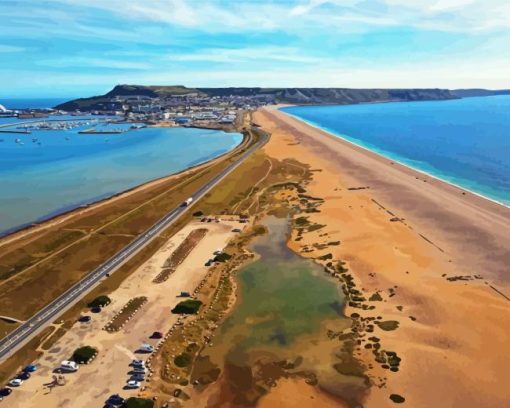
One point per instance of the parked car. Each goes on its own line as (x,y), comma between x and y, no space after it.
(138,377)
(24,375)
(5,392)
(146,348)
(115,399)
(137,363)
(15,382)
(236,230)
(85,319)
(70,366)
(95,309)
(157,335)
(132,384)
(30,368)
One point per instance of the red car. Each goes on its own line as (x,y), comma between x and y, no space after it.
(157,335)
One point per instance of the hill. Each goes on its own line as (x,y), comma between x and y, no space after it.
(272,95)
(338,96)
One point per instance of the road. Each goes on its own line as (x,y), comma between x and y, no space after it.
(25,332)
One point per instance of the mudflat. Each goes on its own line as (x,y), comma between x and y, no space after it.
(429,256)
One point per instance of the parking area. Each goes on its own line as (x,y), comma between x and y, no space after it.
(108,373)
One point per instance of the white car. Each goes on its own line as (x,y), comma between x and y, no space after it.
(70,366)
(15,382)
(147,348)
(133,384)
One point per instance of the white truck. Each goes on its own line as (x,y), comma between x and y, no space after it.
(187,202)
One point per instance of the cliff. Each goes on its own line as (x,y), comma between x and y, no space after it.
(467,93)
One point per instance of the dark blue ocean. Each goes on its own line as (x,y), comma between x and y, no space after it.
(50,171)
(465,141)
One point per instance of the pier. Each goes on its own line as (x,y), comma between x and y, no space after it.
(23,132)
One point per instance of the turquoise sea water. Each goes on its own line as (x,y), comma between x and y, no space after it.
(465,141)
(50,171)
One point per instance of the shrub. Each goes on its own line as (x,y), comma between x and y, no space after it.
(198,213)
(135,402)
(301,221)
(189,306)
(182,360)
(100,301)
(83,354)
(222,257)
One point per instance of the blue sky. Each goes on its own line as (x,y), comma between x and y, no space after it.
(79,48)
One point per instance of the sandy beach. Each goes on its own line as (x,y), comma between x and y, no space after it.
(436,256)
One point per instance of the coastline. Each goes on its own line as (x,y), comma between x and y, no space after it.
(427,259)
(397,159)
(59,216)
(447,204)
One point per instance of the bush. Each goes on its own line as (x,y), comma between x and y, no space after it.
(100,301)
(222,257)
(83,354)
(198,214)
(182,360)
(135,402)
(301,221)
(189,306)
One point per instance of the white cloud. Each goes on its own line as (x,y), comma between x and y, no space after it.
(261,53)
(248,16)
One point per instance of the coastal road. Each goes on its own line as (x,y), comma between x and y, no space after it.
(26,331)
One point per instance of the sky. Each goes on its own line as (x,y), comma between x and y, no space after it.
(69,48)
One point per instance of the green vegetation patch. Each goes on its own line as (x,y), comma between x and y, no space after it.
(135,402)
(182,360)
(83,354)
(315,227)
(259,230)
(100,301)
(189,306)
(325,257)
(376,297)
(388,325)
(301,221)
(223,257)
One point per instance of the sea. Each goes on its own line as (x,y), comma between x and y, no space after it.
(465,142)
(34,103)
(49,172)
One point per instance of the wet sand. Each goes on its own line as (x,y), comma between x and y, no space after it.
(403,234)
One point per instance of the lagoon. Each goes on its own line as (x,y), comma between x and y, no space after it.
(51,171)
